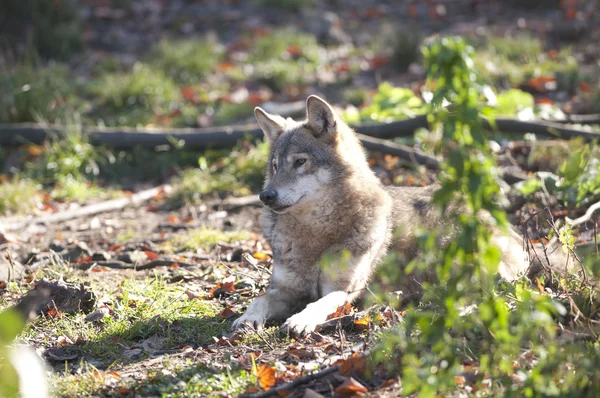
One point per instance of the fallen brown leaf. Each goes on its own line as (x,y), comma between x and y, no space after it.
(342,310)
(226,313)
(266,376)
(351,387)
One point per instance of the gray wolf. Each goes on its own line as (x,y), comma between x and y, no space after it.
(323,200)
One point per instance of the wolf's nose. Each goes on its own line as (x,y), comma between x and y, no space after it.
(268,196)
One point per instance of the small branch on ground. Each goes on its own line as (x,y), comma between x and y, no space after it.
(289,386)
(583,219)
(13,224)
(140,267)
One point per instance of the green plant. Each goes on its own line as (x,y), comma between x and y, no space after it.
(11,324)
(68,156)
(389,103)
(470,318)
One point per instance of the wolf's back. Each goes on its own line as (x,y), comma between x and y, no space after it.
(412,208)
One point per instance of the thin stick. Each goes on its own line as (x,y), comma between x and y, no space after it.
(289,386)
(588,214)
(13,224)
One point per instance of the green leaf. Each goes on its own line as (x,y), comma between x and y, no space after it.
(510,102)
(572,168)
(11,324)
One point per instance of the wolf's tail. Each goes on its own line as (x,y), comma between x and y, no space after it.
(520,257)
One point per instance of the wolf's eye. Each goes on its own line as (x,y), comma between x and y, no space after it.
(299,162)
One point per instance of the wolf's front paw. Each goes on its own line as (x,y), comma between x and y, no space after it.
(300,324)
(254,321)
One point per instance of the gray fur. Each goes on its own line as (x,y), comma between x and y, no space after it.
(329,203)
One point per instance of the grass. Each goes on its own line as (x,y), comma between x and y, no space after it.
(285,57)
(139,310)
(238,172)
(135,97)
(19,196)
(29,91)
(198,380)
(187,61)
(500,61)
(204,238)
(72,189)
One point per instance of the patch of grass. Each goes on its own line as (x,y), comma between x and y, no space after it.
(69,156)
(285,57)
(197,380)
(19,196)
(29,91)
(239,172)
(517,59)
(229,112)
(135,97)
(72,189)
(270,334)
(187,61)
(205,238)
(85,382)
(140,310)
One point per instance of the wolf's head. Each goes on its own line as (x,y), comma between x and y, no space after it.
(308,158)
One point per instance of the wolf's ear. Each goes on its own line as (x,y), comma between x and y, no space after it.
(321,118)
(271,125)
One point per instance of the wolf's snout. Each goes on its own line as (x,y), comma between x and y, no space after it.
(268,196)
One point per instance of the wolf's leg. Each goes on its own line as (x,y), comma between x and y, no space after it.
(272,304)
(307,320)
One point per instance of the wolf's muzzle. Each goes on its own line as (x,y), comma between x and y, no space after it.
(268,196)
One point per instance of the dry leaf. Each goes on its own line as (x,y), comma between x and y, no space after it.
(226,313)
(151,255)
(351,387)
(363,323)
(260,256)
(354,365)
(266,376)
(342,310)
(388,383)
(188,93)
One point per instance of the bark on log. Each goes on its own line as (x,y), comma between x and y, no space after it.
(228,136)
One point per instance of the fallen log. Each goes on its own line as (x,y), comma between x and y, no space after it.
(578,119)
(228,136)
(14,224)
